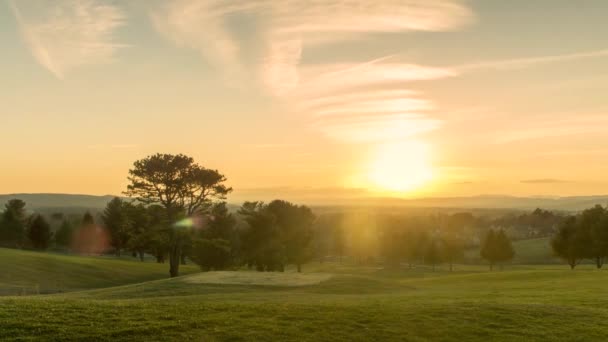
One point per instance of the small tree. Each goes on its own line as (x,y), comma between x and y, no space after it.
(39,233)
(504,248)
(211,254)
(12,224)
(433,253)
(63,235)
(116,220)
(567,243)
(452,249)
(488,248)
(497,248)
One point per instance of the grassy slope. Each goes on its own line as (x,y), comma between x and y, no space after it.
(33,272)
(522,303)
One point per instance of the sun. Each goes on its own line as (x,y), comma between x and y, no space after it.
(401,167)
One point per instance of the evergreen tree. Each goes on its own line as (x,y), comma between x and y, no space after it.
(12,224)
(116,221)
(39,233)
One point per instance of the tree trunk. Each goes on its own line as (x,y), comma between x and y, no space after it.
(299,268)
(598,262)
(174,259)
(141,256)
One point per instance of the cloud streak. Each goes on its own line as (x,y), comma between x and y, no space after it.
(66,34)
(544,181)
(550,127)
(517,63)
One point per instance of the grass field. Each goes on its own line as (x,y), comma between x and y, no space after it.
(329,302)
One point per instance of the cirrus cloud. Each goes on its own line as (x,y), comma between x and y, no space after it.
(66,34)
(362,101)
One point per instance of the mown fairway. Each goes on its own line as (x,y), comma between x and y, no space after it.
(328,302)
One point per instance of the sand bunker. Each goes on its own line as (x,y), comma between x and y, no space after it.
(258,278)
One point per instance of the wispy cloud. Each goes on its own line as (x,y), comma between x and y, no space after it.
(367,101)
(551,127)
(544,181)
(65,34)
(363,101)
(516,63)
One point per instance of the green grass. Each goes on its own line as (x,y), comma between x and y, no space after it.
(521,303)
(25,272)
(527,252)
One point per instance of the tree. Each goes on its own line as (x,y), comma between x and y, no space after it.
(116,220)
(181,187)
(414,246)
(488,248)
(12,223)
(295,230)
(39,232)
(211,254)
(261,245)
(504,248)
(497,248)
(392,246)
(592,230)
(567,243)
(452,249)
(63,235)
(221,224)
(140,222)
(157,237)
(433,253)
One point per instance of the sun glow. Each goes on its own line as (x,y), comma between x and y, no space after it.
(401,167)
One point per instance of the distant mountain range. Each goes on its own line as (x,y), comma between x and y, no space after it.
(51,201)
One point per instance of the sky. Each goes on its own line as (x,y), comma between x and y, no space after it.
(308,99)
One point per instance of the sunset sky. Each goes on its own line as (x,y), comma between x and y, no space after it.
(306,99)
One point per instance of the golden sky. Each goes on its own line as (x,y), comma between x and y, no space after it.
(303,99)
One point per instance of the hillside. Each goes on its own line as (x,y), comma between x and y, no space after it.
(25,272)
